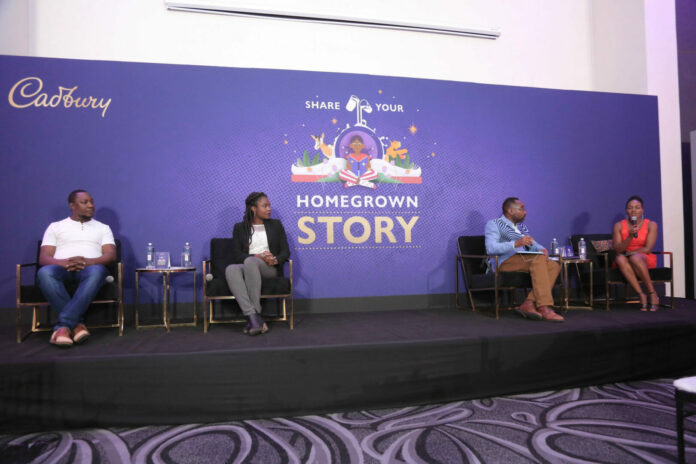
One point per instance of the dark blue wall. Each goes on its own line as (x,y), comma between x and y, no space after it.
(179,147)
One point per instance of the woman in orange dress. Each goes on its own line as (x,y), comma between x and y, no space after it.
(634,239)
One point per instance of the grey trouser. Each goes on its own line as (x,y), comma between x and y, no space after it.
(244,281)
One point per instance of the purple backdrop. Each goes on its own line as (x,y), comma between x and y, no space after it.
(170,152)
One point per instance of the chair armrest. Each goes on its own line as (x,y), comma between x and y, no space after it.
(205,266)
(19,270)
(19,276)
(476,256)
(666,253)
(27,265)
(461,258)
(209,275)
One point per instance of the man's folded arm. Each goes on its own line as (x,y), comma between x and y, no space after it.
(108,256)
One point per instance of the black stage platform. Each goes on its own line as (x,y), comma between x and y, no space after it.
(330,362)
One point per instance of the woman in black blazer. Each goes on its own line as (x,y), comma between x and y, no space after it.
(260,250)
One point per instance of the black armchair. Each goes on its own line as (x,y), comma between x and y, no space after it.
(603,260)
(29,295)
(215,287)
(472,259)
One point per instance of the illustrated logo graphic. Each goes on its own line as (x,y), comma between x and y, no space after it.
(357,157)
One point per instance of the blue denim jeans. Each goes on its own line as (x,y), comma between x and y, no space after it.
(52,280)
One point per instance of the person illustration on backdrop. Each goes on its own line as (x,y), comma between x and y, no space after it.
(74,251)
(508,237)
(358,171)
(633,241)
(260,248)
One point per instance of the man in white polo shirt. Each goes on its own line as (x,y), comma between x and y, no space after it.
(74,250)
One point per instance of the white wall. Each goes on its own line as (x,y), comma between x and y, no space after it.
(662,73)
(692,139)
(15,27)
(626,46)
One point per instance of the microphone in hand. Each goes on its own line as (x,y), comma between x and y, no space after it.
(634,220)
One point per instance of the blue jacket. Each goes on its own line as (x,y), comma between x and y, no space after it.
(501,237)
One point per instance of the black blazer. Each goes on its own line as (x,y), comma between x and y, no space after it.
(277,242)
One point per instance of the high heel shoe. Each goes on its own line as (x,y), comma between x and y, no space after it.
(654,306)
(644,306)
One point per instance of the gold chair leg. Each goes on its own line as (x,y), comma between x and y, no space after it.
(471,300)
(121,318)
(292,313)
(671,294)
(19,324)
(497,305)
(207,314)
(456,283)
(34,319)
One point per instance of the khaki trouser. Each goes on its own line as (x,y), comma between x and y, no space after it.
(543,272)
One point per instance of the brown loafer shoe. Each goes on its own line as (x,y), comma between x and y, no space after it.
(80,334)
(61,337)
(548,314)
(528,311)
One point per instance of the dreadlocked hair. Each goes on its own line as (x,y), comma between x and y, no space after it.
(250,201)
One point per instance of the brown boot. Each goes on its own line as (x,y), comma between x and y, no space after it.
(548,314)
(528,311)
(61,337)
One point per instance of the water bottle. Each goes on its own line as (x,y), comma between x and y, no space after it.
(554,247)
(186,256)
(150,256)
(582,249)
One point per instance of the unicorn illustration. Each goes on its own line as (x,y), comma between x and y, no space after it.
(326,150)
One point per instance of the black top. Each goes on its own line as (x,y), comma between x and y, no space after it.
(277,241)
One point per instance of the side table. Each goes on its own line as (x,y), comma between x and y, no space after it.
(566,282)
(166,274)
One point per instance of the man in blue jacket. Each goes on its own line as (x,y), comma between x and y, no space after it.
(508,238)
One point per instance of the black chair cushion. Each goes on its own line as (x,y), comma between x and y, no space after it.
(657,274)
(33,294)
(112,268)
(475,268)
(221,256)
(109,291)
(505,279)
(218,287)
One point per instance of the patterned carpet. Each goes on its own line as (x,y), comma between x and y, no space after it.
(630,422)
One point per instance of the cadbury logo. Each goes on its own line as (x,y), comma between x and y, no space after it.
(27,92)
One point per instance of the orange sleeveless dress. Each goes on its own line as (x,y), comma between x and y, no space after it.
(638,242)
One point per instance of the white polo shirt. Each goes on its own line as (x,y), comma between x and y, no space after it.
(75,238)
